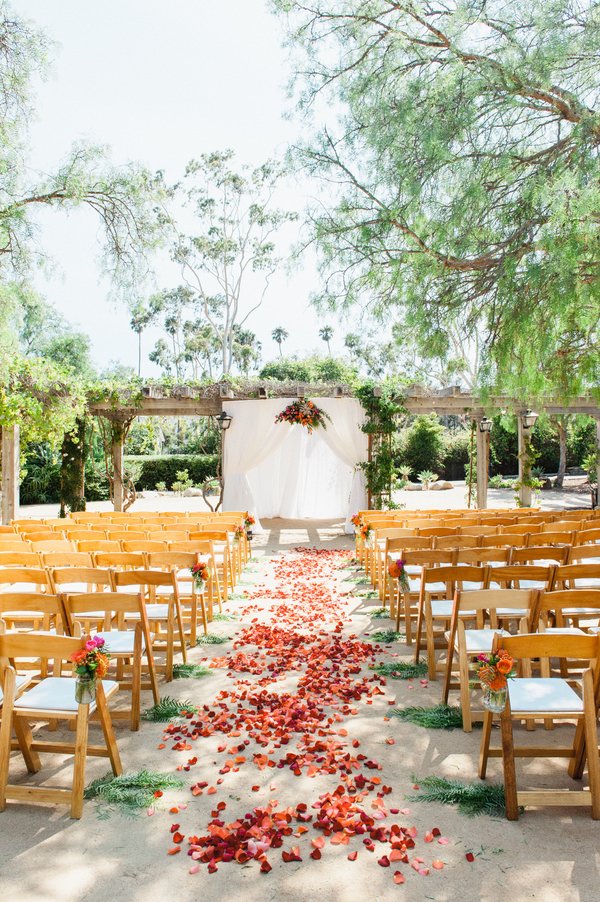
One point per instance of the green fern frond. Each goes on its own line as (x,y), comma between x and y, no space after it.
(380,614)
(130,792)
(190,671)
(438,717)
(385,636)
(217,618)
(167,709)
(401,670)
(471,798)
(211,639)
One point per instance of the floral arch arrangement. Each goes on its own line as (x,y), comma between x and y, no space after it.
(305,413)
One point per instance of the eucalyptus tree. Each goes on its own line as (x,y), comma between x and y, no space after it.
(229,255)
(460,141)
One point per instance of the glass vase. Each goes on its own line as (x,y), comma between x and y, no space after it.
(494,699)
(200,586)
(85,689)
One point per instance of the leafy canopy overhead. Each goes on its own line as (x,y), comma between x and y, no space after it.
(464,165)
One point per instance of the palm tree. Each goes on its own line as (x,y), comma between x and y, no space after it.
(326,334)
(141,317)
(279,334)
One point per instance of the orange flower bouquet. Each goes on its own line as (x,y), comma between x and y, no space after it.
(397,570)
(90,662)
(494,671)
(366,532)
(200,575)
(355,520)
(239,534)
(305,413)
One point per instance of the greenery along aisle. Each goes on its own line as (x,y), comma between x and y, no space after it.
(297,679)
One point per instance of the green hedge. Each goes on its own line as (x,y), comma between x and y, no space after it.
(164,469)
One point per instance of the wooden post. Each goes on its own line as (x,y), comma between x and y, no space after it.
(524,468)
(117,462)
(483,451)
(10,473)
(369,458)
(598,462)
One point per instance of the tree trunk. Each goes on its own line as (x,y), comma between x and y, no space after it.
(140,353)
(561,427)
(72,469)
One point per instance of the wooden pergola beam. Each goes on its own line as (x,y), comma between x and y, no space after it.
(10,473)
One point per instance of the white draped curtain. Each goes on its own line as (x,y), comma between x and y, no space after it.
(278,470)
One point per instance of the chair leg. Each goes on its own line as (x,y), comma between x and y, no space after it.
(430,640)
(591,741)
(407,617)
(169,652)
(484,749)
(81,741)
(204,619)
(5,731)
(25,738)
(108,732)
(136,679)
(180,631)
(419,632)
(508,765)
(465,692)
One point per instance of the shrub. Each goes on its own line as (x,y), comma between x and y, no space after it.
(165,470)
(424,445)
(581,441)
(427,477)
(456,454)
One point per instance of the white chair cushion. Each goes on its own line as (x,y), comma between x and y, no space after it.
(543,694)
(436,588)
(20,681)
(511,612)
(480,641)
(58,694)
(581,612)
(153,611)
(120,642)
(586,583)
(565,631)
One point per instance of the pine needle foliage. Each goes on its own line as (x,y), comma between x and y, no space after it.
(190,671)
(471,798)
(130,793)
(211,639)
(437,717)
(401,670)
(385,636)
(168,709)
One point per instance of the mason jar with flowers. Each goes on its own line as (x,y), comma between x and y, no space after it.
(200,575)
(91,663)
(494,671)
(249,522)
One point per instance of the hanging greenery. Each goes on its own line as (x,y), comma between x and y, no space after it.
(382,406)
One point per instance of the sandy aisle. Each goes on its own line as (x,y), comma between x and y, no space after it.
(548,855)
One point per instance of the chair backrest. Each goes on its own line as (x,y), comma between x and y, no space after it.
(478,530)
(127,535)
(19,558)
(8,531)
(589,553)
(515,573)
(559,526)
(568,574)
(429,557)
(113,605)
(30,603)
(456,541)
(220,535)
(70,579)
(154,578)
(171,560)
(492,599)
(549,645)
(454,576)
(119,560)
(540,553)
(519,529)
(12,576)
(14,541)
(408,543)
(198,547)
(144,547)
(392,533)
(479,556)
(150,527)
(53,545)
(566,599)
(436,531)
(42,535)
(66,559)
(588,535)
(100,545)
(554,538)
(37,646)
(175,535)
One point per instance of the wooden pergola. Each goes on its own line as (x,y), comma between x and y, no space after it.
(212,400)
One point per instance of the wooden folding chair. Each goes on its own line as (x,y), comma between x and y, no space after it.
(119,560)
(145,547)
(66,559)
(540,554)
(479,557)
(518,576)
(53,545)
(127,647)
(568,606)
(577,576)
(548,697)
(380,556)
(438,585)
(163,608)
(466,643)
(414,562)
(53,698)
(203,548)
(95,546)
(180,563)
(457,541)
(24,579)
(578,554)
(27,559)
(394,549)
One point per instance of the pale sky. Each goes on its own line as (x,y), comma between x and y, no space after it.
(161,83)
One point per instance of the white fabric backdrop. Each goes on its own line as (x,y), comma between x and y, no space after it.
(277,470)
